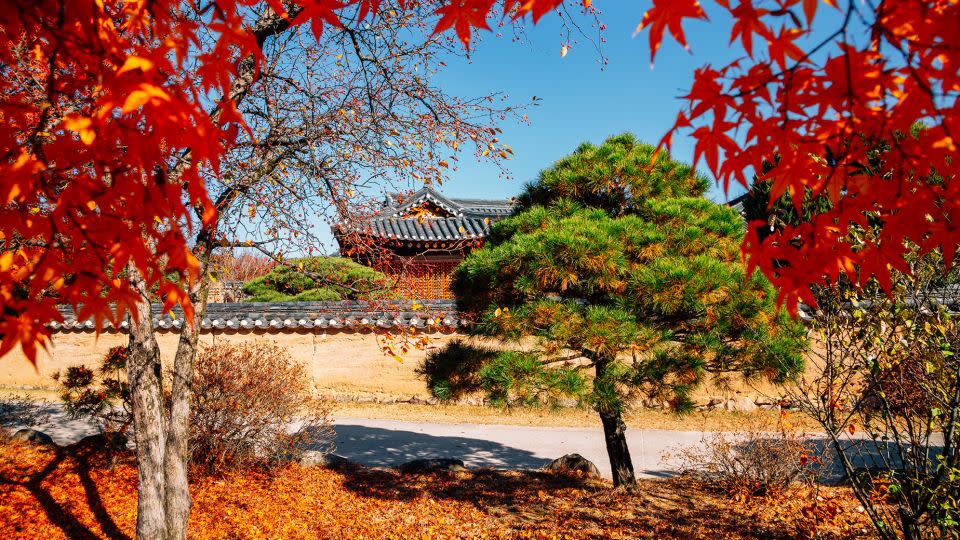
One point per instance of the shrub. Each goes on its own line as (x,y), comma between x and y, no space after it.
(243,267)
(105,400)
(318,279)
(753,462)
(251,406)
(247,397)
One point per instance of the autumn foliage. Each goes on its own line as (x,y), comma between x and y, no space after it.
(114,113)
(105,133)
(861,108)
(101,147)
(48,494)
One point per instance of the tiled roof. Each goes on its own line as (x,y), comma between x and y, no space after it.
(438,229)
(395,207)
(947,296)
(485,207)
(466,219)
(737,203)
(436,315)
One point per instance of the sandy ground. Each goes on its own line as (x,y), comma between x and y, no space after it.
(715,420)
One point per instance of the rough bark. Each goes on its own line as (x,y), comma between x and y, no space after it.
(614,434)
(146,396)
(177,457)
(163,459)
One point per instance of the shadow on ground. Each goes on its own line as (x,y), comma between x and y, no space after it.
(540,504)
(85,458)
(379,447)
(533,500)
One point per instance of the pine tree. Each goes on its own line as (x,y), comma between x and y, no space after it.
(629,283)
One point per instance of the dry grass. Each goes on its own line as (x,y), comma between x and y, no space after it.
(715,420)
(72,494)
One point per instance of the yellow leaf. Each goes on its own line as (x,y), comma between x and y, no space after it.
(135,62)
(82,125)
(6,261)
(563,51)
(145,94)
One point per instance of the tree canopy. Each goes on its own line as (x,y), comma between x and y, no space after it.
(648,292)
(819,99)
(318,279)
(611,176)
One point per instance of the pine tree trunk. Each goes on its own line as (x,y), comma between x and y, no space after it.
(177,457)
(146,397)
(614,434)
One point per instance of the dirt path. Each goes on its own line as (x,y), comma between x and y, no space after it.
(393,442)
(387,443)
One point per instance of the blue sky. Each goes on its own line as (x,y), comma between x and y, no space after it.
(579,101)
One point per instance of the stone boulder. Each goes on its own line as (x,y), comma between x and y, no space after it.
(429,465)
(574,463)
(312,458)
(33,436)
(741,404)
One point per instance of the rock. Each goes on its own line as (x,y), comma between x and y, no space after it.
(765,400)
(574,463)
(568,403)
(313,458)
(33,436)
(333,461)
(741,404)
(653,403)
(708,403)
(428,465)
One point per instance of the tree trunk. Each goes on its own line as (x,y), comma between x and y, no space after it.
(177,457)
(146,397)
(163,456)
(614,434)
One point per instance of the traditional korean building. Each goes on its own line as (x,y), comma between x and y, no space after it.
(419,239)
